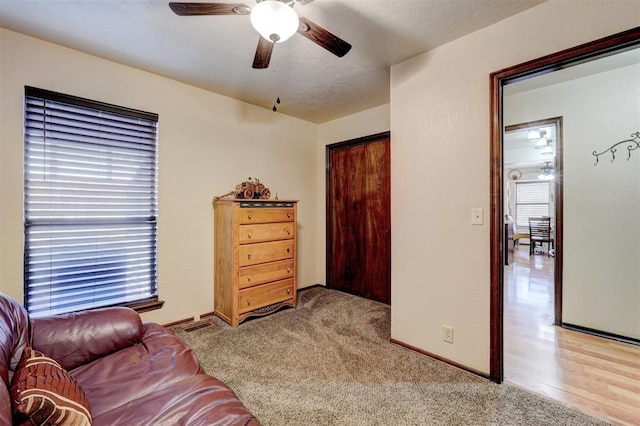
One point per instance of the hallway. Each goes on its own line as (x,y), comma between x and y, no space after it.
(595,375)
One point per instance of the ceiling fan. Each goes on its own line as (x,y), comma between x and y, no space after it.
(275,20)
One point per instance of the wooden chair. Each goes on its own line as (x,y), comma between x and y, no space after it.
(539,233)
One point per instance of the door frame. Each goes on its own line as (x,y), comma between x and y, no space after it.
(546,64)
(329,190)
(559,208)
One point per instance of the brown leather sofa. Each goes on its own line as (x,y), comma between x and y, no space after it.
(131,373)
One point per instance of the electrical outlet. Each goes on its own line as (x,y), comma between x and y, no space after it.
(447,334)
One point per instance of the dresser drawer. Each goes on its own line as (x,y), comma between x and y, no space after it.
(266,232)
(252,254)
(254,275)
(257,297)
(266,215)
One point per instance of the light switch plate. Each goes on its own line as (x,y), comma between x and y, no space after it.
(477,216)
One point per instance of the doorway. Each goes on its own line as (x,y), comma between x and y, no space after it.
(532,160)
(359,217)
(533,186)
(546,65)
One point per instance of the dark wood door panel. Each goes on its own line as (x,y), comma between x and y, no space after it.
(358,218)
(348,224)
(378,222)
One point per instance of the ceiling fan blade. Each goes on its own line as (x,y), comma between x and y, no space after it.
(190,9)
(263,54)
(324,38)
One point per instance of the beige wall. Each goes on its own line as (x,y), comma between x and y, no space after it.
(440,169)
(365,123)
(207,144)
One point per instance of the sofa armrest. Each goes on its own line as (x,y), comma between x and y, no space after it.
(79,338)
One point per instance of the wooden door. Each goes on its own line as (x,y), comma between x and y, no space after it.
(358,217)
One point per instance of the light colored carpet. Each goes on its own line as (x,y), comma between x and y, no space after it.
(329,362)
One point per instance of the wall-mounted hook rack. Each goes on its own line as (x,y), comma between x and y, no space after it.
(634,143)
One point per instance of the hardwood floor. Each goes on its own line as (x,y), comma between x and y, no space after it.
(595,375)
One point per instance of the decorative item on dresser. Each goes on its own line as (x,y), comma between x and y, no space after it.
(255,257)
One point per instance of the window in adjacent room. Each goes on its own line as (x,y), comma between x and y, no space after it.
(90,204)
(532,200)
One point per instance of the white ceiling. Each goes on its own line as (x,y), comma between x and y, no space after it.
(216,52)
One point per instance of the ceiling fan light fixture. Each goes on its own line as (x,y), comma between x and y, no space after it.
(542,143)
(546,173)
(545,176)
(274,20)
(533,134)
(547,150)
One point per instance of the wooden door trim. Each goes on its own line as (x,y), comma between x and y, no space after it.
(543,65)
(328,188)
(353,142)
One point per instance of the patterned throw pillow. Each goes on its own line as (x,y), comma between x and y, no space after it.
(43,393)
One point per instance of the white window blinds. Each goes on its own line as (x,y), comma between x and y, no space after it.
(90,204)
(532,200)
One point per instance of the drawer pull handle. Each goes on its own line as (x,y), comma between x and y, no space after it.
(288,291)
(249,278)
(248,302)
(288,215)
(288,249)
(288,270)
(249,256)
(249,216)
(249,235)
(288,231)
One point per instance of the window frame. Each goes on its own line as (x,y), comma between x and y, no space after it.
(32,220)
(518,203)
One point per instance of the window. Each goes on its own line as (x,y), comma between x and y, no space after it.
(90,204)
(532,199)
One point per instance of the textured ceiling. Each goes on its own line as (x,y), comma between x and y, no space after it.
(216,52)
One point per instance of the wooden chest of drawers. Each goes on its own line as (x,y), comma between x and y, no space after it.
(255,258)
